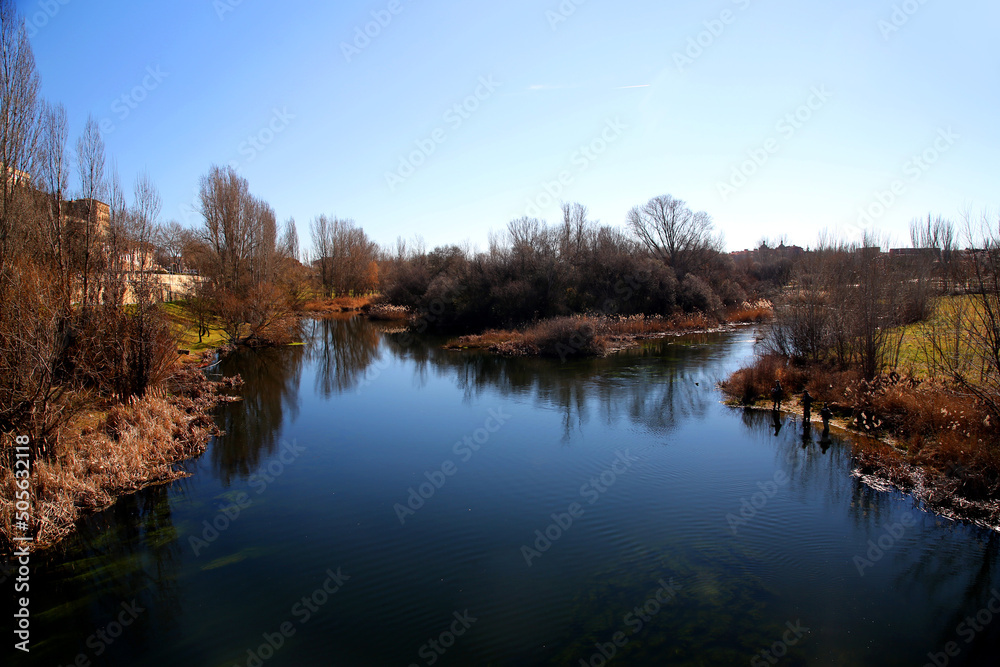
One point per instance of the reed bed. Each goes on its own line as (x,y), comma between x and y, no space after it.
(98,457)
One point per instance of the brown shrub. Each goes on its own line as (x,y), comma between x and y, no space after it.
(566,337)
(754,382)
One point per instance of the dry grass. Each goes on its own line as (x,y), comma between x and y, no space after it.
(340,304)
(384,312)
(755,312)
(100,456)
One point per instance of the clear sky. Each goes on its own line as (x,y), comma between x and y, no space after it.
(605,103)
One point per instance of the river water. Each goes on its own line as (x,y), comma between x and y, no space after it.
(378,500)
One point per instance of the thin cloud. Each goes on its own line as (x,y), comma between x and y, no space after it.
(641,85)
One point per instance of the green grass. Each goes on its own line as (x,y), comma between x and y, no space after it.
(915,348)
(187,329)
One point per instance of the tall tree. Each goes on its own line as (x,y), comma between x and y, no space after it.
(346,257)
(54,172)
(90,161)
(289,245)
(240,229)
(18,122)
(680,237)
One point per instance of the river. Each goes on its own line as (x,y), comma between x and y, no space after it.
(378,500)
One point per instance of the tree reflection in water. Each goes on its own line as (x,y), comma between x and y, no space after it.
(343,350)
(270,393)
(653,391)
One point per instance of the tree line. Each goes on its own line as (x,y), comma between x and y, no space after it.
(668,259)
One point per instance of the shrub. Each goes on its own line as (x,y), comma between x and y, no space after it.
(696,294)
(566,337)
(750,384)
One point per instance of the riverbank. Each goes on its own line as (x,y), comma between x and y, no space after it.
(105,452)
(921,437)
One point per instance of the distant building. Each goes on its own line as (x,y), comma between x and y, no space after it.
(931,253)
(781,251)
(83,211)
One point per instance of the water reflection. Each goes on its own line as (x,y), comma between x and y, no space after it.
(343,350)
(664,383)
(270,396)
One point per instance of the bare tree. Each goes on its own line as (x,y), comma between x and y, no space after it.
(116,246)
(936,237)
(171,240)
(346,258)
(19,85)
(289,244)
(55,182)
(873,306)
(674,233)
(90,157)
(241,230)
(575,231)
(981,326)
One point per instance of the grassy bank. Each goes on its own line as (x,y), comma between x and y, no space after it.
(928,436)
(185,325)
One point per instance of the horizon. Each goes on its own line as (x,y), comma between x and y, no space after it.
(828,127)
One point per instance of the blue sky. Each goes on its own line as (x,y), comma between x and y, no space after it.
(776,117)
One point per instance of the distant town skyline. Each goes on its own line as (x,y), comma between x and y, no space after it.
(448,120)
